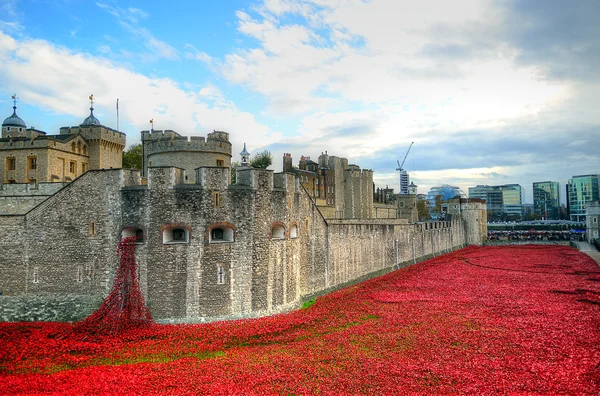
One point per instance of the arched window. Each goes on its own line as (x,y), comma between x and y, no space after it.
(138,233)
(221,234)
(277,231)
(84,150)
(173,235)
(293,231)
(73,147)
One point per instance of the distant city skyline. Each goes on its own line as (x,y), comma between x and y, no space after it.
(491,92)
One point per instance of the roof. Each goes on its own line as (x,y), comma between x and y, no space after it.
(14,120)
(90,120)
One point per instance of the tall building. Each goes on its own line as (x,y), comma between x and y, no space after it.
(404,182)
(582,190)
(28,155)
(512,200)
(546,200)
(492,196)
(503,202)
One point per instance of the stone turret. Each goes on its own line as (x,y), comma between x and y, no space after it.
(168,148)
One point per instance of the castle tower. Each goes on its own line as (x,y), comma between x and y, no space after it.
(168,148)
(104,145)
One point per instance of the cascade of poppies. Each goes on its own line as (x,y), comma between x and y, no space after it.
(124,308)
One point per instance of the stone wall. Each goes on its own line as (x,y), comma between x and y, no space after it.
(256,247)
(51,308)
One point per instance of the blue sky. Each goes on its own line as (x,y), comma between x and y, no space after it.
(491,92)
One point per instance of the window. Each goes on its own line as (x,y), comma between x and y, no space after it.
(79,274)
(11,163)
(83,168)
(220,162)
(73,167)
(36,278)
(217,233)
(32,162)
(221,235)
(217,201)
(84,150)
(220,275)
(92,229)
(176,235)
(138,233)
(294,231)
(595,220)
(277,232)
(73,146)
(401,204)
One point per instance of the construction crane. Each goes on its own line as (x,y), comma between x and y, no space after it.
(399,168)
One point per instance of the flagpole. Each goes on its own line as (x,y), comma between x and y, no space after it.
(117,114)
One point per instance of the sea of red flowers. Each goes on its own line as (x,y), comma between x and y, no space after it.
(481,320)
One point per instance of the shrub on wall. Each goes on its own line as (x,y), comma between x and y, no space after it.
(262,160)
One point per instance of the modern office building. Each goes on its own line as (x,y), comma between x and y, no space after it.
(581,190)
(546,200)
(492,196)
(512,200)
(503,202)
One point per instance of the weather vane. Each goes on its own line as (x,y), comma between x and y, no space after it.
(152,123)
(92,100)
(14,98)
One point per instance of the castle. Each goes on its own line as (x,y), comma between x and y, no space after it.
(207,247)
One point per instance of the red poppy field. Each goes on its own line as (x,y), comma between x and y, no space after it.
(481,320)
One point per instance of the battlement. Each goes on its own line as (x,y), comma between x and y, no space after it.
(355,171)
(96,133)
(165,141)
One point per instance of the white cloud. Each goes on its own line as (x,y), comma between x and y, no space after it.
(64,90)
(129,18)
(195,54)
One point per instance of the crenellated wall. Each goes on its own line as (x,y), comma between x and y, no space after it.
(255,247)
(168,148)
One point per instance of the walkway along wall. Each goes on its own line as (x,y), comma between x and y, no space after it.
(209,249)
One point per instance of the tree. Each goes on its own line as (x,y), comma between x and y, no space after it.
(262,160)
(234,165)
(422,209)
(132,157)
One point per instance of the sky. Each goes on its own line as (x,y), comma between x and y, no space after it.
(490,92)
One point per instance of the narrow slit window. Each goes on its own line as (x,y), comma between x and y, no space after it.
(220,275)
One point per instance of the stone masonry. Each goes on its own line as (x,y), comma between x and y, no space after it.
(208,249)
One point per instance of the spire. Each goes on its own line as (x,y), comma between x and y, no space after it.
(14,120)
(91,120)
(245,155)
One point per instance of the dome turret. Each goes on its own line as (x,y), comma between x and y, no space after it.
(91,120)
(14,120)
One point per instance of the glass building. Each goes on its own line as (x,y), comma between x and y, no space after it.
(503,202)
(581,190)
(512,200)
(546,200)
(446,192)
(492,196)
